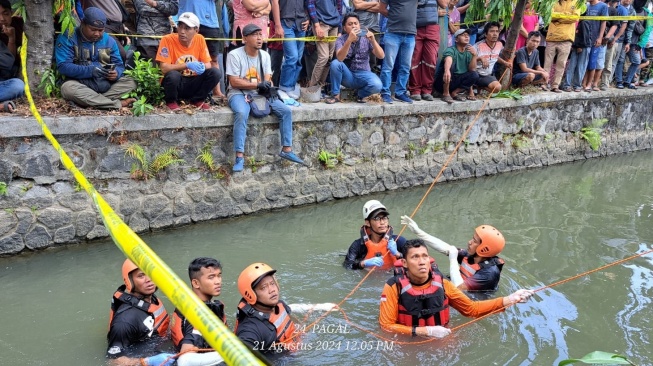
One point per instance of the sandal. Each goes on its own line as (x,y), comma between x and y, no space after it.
(459,97)
(471,97)
(332,100)
(9,106)
(588,90)
(448,99)
(596,88)
(556,90)
(544,88)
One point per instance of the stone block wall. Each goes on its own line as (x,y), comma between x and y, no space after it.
(379,147)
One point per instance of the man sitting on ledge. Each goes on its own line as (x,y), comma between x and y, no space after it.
(456,72)
(91,63)
(351,66)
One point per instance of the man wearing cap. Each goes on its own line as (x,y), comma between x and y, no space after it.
(456,72)
(250,73)
(377,246)
(186,64)
(91,63)
(138,321)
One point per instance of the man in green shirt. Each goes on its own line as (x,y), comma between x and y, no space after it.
(456,72)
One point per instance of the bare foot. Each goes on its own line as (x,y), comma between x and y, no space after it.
(127,102)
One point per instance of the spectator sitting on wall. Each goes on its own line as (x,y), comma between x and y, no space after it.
(91,62)
(186,65)
(527,69)
(351,66)
(456,71)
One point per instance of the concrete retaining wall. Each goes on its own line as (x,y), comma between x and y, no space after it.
(382,147)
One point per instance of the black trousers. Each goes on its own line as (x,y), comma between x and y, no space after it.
(462,81)
(193,88)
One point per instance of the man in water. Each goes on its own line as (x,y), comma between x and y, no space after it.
(401,312)
(377,246)
(138,322)
(206,282)
(263,322)
(477,268)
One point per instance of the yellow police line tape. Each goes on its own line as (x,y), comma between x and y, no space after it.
(597,17)
(214,331)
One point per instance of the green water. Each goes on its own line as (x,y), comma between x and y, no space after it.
(559,221)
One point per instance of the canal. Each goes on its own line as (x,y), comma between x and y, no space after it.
(559,221)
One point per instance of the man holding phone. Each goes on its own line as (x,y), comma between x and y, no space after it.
(85,58)
(351,66)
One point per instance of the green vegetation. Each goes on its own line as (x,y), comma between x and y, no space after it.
(3,189)
(411,150)
(598,357)
(147,167)
(514,94)
(359,120)
(253,163)
(148,89)
(592,134)
(327,159)
(78,187)
(49,83)
(520,123)
(437,146)
(26,187)
(520,141)
(206,157)
(549,137)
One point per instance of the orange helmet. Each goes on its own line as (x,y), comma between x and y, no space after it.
(250,277)
(127,268)
(492,241)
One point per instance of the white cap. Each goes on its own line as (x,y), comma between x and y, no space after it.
(371,206)
(189,19)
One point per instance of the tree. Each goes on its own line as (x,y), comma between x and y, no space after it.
(39,30)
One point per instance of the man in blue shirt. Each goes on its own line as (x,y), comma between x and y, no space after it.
(351,66)
(91,63)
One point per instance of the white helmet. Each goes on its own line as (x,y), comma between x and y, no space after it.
(371,206)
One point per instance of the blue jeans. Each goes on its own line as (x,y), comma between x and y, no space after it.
(393,42)
(365,81)
(292,52)
(577,67)
(241,113)
(11,89)
(635,59)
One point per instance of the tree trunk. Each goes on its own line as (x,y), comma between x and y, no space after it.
(39,29)
(508,52)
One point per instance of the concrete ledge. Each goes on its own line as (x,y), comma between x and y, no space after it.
(308,112)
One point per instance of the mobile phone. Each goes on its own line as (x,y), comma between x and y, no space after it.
(109,67)
(362,33)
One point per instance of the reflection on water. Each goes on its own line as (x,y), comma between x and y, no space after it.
(559,222)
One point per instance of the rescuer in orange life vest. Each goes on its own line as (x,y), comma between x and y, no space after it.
(417,299)
(138,322)
(377,246)
(206,282)
(476,268)
(263,322)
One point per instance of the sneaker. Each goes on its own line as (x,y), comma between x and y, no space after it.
(289,155)
(239,165)
(427,97)
(620,86)
(416,97)
(202,106)
(404,98)
(604,87)
(386,98)
(173,106)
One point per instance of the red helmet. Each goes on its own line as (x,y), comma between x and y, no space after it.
(128,267)
(492,241)
(250,277)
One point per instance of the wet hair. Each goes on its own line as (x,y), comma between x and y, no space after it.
(489,25)
(195,267)
(5,4)
(534,34)
(412,243)
(347,16)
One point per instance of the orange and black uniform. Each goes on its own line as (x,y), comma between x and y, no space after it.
(390,308)
(137,328)
(183,332)
(483,276)
(266,332)
(358,250)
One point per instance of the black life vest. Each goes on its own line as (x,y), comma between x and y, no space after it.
(424,307)
(278,320)
(155,309)
(179,322)
(468,270)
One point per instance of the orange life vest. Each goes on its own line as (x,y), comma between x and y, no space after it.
(425,307)
(279,319)
(468,270)
(155,309)
(179,322)
(379,249)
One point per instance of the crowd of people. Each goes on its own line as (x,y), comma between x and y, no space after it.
(363,45)
(415,301)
